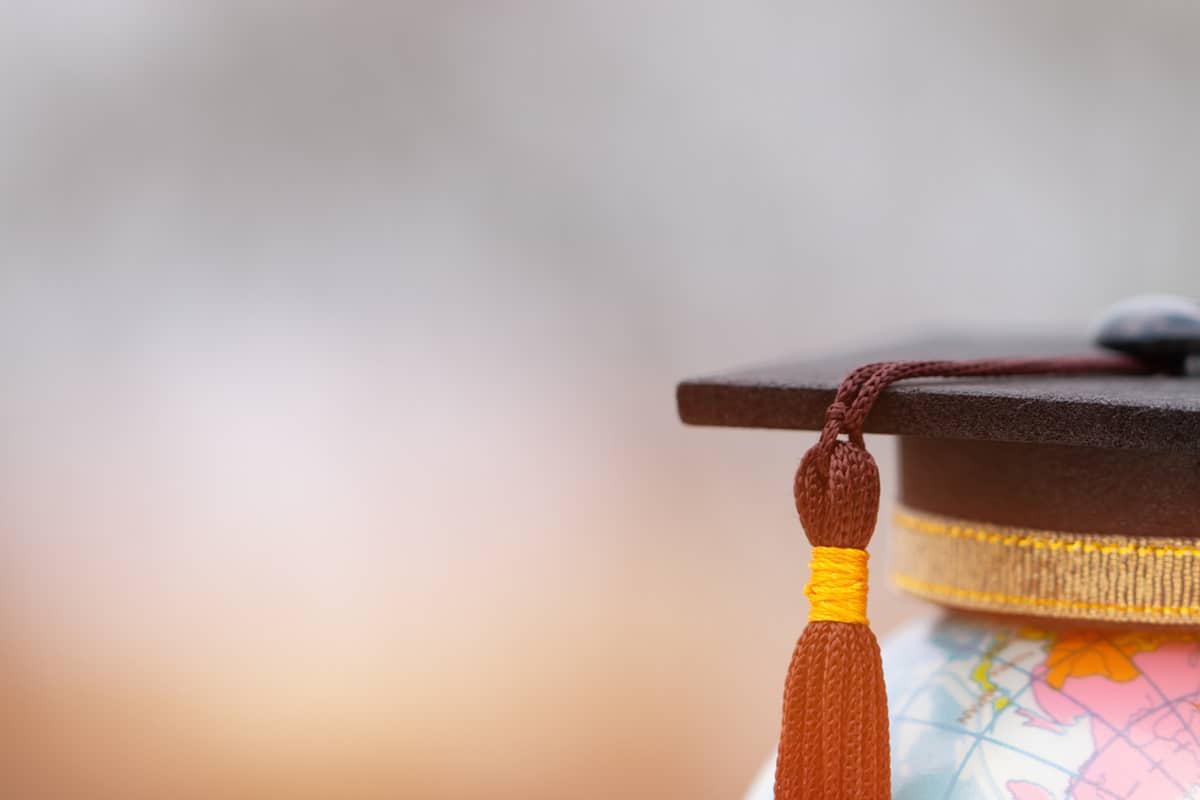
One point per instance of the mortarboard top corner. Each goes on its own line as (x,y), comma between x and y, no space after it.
(1152,412)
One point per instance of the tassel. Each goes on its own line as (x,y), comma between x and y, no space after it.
(834,739)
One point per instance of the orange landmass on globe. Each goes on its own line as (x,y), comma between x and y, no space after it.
(1081,653)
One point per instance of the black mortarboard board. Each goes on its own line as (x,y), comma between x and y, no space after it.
(1150,412)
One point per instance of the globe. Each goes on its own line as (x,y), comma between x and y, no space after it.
(985,708)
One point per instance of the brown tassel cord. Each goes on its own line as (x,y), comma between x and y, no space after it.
(834,742)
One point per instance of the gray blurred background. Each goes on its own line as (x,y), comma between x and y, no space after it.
(339,450)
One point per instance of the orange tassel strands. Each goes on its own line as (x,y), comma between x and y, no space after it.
(834,742)
(834,739)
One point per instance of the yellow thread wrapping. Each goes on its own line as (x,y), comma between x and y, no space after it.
(837,588)
(1100,577)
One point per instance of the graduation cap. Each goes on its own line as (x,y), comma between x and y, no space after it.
(1045,478)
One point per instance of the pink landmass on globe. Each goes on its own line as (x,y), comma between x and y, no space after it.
(1023,790)
(1034,721)
(1146,729)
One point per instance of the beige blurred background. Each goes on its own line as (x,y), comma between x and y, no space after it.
(338,455)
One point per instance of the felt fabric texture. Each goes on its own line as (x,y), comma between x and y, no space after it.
(1086,490)
(1155,412)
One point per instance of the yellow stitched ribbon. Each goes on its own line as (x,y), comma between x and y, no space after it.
(837,588)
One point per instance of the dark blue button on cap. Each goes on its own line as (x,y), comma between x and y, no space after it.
(1154,326)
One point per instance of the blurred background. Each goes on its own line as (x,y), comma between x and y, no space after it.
(339,454)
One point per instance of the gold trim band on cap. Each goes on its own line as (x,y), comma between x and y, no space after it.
(1067,575)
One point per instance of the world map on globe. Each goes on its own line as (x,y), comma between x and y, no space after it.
(984,709)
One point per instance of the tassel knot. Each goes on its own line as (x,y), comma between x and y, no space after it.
(838,505)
